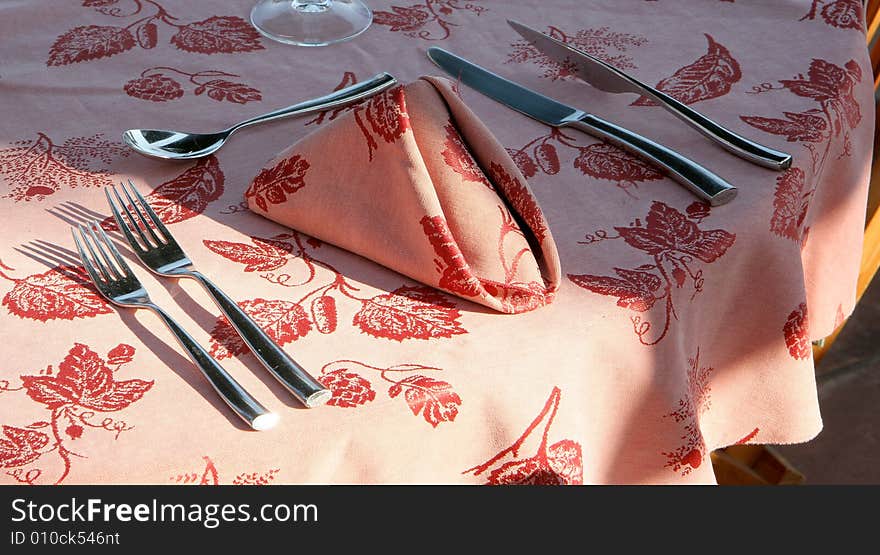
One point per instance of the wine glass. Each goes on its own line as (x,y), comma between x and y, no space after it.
(311,23)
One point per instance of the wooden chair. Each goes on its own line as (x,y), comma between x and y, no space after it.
(761,464)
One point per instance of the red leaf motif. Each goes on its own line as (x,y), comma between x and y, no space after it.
(525,164)
(84,380)
(283,321)
(272,185)
(34,169)
(845,14)
(434,399)
(387,115)
(457,276)
(156,88)
(520,198)
(214,35)
(409,313)
(634,290)
(548,160)
(238,93)
(698,210)
(185,196)
(797,333)
(89,43)
(63,293)
(263,256)
(349,389)
(21,446)
(147,35)
(790,204)
(458,157)
(525,472)
(120,354)
(808,128)
(710,76)
(402,19)
(670,230)
(825,81)
(324,313)
(605,161)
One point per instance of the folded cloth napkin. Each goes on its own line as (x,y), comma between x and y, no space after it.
(413,180)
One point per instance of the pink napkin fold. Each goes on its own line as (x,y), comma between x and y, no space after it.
(413,180)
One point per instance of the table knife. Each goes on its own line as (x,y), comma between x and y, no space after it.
(699,180)
(608,78)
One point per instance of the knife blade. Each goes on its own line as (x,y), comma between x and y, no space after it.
(608,78)
(703,183)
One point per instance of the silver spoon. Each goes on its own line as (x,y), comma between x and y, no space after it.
(176,145)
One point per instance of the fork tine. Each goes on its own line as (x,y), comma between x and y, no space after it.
(110,266)
(151,213)
(140,214)
(120,221)
(87,264)
(121,261)
(94,258)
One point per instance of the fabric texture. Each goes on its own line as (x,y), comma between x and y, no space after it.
(676,328)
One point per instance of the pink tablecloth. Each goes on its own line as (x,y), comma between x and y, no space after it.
(677,329)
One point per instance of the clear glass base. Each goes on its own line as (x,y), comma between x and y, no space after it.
(316,23)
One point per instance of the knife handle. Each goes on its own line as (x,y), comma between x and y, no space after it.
(699,180)
(730,141)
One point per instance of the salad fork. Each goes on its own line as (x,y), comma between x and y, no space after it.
(117,283)
(159,252)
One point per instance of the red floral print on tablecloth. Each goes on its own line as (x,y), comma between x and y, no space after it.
(428,20)
(61,293)
(557,464)
(184,196)
(598,160)
(34,169)
(843,14)
(155,84)
(210,476)
(797,333)
(692,452)
(710,76)
(433,399)
(676,244)
(603,43)
(408,312)
(832,87)
(216,34)
(84,387)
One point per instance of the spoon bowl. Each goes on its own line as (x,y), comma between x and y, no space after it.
(177,145)
(174,145)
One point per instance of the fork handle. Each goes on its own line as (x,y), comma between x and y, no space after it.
(239,400)
(294,377)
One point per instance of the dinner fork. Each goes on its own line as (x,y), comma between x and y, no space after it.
(118,284)
(163,256)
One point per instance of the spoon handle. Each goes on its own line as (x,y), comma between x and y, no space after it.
(337,99)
